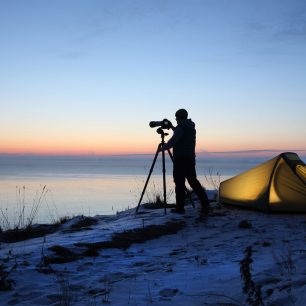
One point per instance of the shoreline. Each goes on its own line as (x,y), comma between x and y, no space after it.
(201,262)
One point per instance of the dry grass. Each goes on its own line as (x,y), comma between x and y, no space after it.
(212,179)
(25,213)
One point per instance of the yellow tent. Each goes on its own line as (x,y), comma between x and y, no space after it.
(278,185)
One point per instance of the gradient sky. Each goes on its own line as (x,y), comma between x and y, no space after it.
(88,76)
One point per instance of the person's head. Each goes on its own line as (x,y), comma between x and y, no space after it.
(181,114)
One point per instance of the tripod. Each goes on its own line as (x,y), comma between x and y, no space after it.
(162,135)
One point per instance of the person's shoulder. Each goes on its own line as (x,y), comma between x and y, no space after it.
(187,123)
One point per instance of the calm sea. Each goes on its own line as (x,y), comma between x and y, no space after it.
(68,186)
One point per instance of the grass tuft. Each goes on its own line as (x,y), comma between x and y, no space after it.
(23,219)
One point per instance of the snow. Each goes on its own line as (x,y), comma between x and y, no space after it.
(198,265)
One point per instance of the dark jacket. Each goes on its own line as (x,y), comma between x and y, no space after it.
(183,140)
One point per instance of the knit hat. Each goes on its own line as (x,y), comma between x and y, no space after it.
(181,114)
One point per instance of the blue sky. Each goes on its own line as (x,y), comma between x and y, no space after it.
(88,76)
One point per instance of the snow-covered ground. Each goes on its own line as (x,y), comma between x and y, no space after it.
(230,257)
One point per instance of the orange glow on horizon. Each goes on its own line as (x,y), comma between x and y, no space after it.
(108,145)
(141,150)
(94,145)
(109,151)
(77,150)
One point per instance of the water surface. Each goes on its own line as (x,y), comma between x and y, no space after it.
(94,185)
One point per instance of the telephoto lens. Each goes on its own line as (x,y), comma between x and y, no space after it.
(155,123)
(164,124)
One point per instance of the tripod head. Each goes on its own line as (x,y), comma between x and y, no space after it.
(161,132)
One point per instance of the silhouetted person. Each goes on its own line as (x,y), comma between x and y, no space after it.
(183,143)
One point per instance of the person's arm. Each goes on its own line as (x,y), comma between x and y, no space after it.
(178,133)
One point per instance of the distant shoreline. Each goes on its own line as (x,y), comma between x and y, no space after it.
(215,154)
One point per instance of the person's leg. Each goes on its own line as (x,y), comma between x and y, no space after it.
(179,180)
(196,185)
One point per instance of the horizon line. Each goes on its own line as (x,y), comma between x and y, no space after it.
(232,152)
(257,151)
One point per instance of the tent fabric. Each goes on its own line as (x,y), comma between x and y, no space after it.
(277,185)
(301,172)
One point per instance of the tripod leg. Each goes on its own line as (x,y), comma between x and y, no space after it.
(164,182)
(148,178)
(170,154)
(186,190)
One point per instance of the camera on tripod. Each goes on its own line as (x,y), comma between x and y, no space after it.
(164,124)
